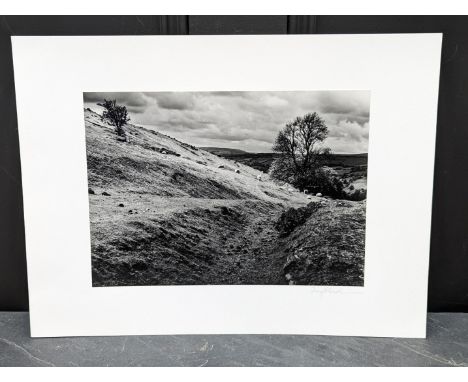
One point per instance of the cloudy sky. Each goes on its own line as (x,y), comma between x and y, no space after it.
(248,121)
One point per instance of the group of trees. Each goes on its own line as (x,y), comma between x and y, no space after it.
(301,156)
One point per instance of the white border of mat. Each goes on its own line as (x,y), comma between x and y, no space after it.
(402,73)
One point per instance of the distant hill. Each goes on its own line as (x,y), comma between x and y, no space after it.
(263,161)
(223,151)
(347,160)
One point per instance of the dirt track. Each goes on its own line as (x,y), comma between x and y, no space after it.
(239,234)
(255,255)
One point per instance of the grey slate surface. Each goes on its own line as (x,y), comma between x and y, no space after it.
(446,345)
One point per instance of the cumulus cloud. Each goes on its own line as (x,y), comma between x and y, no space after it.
(135,102)
(341,103)
(247,120)
(174,101)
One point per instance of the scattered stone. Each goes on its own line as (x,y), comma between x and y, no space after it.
(221,166)
(290,189)
(91,191)
(237,171)
(288,276)
(121,205)
(309,197)
(319,194)
(164,152)
(106,193)
(259,177)
(122,138)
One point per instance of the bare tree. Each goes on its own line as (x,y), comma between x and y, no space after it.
(300,153)
(116,114)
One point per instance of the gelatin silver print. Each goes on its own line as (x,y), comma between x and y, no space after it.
(227,188)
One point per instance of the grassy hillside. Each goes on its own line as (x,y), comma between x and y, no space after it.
(163,212)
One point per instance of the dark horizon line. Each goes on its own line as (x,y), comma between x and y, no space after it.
(263,152)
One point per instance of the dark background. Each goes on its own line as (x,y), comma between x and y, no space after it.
(448,274)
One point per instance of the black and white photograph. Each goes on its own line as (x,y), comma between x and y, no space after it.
(274,184)
(227,188)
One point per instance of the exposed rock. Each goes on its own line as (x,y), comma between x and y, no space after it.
(225,210)
(293,217)
(106,193)
(121,205)
(164,151)
(319,194)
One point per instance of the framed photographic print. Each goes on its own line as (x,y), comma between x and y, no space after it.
(227,184)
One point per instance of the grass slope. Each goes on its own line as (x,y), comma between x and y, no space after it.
(175,214)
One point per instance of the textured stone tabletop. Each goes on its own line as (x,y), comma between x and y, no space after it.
(446,345)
